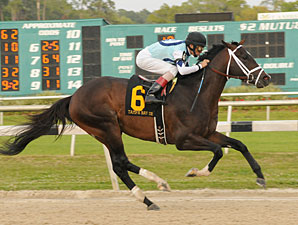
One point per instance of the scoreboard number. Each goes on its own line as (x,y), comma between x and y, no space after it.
(35,85)
(50,64)
(9,60)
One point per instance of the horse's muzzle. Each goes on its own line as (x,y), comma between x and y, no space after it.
(267,79)
(264,80)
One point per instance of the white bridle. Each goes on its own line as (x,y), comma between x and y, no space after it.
(244,69)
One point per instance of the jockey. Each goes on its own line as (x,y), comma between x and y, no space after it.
(170,57)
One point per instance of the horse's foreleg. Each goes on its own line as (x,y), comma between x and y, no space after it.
(161,184)
(121,164)
(197,143)
(225,141)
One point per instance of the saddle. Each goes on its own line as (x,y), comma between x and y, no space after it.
(147,83)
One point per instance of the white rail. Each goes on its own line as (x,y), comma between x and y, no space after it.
(222,126)
(11,108)
(267,103)
(223,95)
(18,108)
(32,97)
(258,126)
(258,94)
(259,103)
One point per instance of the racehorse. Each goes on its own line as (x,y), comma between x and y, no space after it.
(98,107)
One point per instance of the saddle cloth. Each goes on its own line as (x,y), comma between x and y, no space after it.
(135,105)
(135,98)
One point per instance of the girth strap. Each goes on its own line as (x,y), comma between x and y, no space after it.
(159,126)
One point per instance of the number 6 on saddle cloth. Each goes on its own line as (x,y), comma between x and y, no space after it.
(135,103)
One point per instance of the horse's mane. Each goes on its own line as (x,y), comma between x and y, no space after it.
(212,52)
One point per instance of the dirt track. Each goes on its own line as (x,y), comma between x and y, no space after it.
(204,207)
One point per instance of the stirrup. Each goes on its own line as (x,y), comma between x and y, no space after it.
(151,99)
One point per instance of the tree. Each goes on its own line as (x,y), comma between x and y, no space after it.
(289,6)
(28,10)
(135,17)
(3,3)
(274,5)
(165,14)
(252,13)
(15,7)
(84,9)
(57,10)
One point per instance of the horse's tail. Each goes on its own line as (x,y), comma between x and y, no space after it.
(39,125)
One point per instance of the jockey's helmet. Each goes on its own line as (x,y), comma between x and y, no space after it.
(195,38)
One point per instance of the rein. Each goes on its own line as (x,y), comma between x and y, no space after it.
(198,92)
(227,75)
(244,69)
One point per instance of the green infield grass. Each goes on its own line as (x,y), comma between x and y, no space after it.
(46,164)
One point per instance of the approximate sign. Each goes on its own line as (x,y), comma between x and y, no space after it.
(38,56)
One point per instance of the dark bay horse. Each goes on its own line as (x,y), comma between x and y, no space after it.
(98,107)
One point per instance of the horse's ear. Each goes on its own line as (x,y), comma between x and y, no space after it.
(228,45)
(242,42)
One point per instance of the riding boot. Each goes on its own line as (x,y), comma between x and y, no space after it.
(158,85)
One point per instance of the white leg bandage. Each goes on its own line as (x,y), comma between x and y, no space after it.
(161,184)
(136,191)
(204,171)
(150,176)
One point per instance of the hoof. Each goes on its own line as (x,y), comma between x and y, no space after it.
(164,186)
(192,172)
(153,207)
(261,182)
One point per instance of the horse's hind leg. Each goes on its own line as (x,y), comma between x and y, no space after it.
(225,141)
(161,184)
(120,166)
